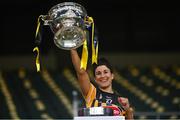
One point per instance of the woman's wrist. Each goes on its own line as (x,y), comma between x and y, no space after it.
(129,113)
(130,109)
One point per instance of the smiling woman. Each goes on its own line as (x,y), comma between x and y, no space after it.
(103,75)
(101,95)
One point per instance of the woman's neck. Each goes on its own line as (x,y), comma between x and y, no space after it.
(108,89)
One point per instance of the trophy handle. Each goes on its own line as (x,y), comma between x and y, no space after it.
(46,19)
(87,24)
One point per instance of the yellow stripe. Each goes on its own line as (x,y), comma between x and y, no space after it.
(96,103)
(90,96)
(103,104)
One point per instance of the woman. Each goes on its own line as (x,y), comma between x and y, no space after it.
(102,95)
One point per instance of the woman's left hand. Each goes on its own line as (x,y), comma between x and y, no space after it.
(126,106)
(124,102)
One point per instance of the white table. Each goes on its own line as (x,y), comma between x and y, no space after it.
(99,118)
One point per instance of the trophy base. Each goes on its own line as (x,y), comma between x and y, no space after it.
(95,111)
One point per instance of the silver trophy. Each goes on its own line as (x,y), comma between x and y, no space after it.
(70,24)
(67,22)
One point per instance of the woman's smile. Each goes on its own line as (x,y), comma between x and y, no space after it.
(103,76)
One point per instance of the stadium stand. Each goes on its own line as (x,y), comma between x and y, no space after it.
(152,90)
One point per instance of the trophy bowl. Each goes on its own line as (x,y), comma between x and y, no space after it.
(67,22)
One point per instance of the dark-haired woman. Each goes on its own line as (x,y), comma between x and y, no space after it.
(102,94)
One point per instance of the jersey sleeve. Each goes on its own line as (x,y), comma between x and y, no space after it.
(90,96)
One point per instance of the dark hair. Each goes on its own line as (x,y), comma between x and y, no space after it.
(102,61)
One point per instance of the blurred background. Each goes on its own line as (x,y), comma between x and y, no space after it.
(140,38)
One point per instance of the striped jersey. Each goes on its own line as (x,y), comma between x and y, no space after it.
(97,98)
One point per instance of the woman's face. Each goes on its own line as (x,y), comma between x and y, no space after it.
(103,76)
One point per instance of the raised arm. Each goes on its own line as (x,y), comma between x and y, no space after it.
(83,77)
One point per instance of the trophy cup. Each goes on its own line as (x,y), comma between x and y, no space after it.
(70,23)
(67,22)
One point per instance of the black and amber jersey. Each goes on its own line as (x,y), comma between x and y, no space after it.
(97,97)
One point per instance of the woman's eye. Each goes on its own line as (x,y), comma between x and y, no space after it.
(106,71)
(98,73)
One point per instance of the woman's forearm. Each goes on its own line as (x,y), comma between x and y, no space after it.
(83,77)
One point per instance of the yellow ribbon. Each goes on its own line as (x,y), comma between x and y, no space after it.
(92,40)
(94,49)
(37,59)
(38,25)
(97,47)
(84,57)
(36,48)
